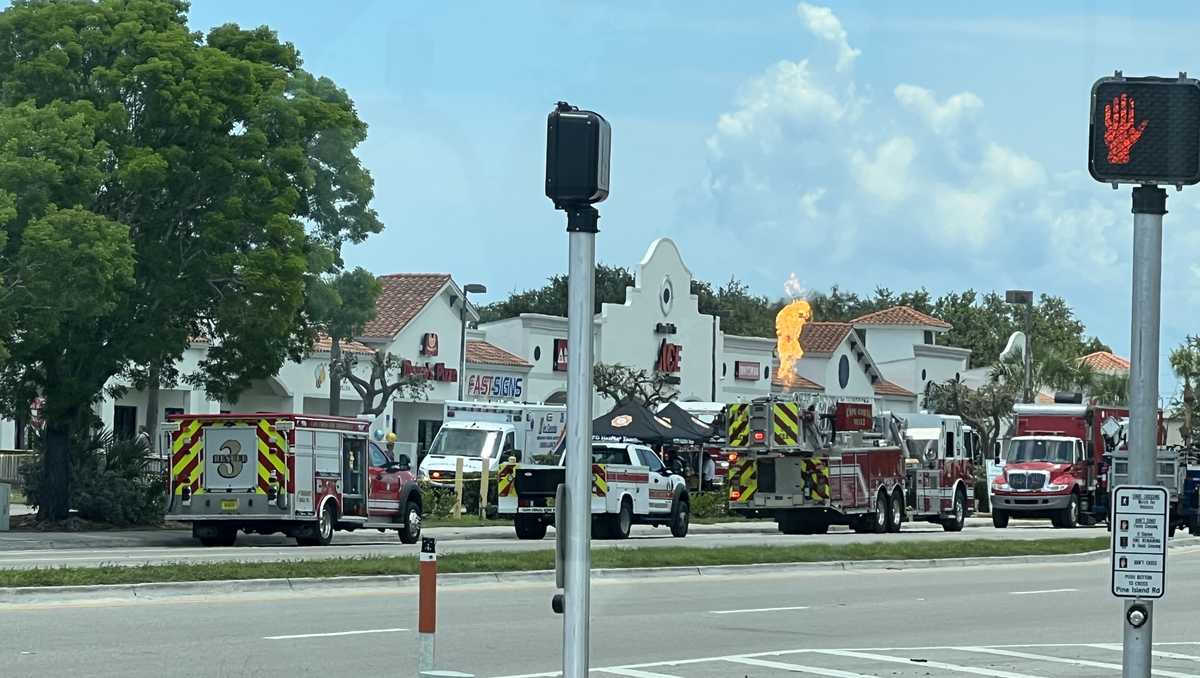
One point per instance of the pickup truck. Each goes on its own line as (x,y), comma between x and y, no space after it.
(630,485)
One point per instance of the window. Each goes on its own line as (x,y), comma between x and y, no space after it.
(929,337)
(949,445)
(609,455)
(379,458)
(537,353)
(124,422)
(426,430)
(509,445)
(651,460)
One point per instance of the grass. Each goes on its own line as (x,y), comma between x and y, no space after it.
(619,558)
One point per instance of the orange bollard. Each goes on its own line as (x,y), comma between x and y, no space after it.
(427,604)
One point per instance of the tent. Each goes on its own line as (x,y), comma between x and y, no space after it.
(686,426)
(632,420)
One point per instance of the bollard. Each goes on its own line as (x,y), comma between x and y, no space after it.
(427,605)
(458,488)
(483,491)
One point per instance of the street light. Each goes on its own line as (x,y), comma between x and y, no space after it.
(1025,298)
(473,288)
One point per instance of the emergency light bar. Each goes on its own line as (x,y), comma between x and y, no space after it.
(285,426)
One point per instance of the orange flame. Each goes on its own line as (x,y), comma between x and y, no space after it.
(789,323)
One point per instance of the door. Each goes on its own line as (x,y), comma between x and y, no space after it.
(384,482)
(353,475)
(661,493)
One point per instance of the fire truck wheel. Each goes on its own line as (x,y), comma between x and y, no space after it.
(320,534)
(999,519)
(529,528)
(956,522)
(879,519)
(220,536)
(621,523)
(1069,518)
(411,532)
(896,514)
(680,517)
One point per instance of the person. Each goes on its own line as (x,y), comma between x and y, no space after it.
(678,465)
(143,437)
(710,472)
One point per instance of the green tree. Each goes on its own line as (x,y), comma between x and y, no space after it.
(551,298)
(1185,361)
(741,312)
(621,384)
(341,306)
(385,381)
(984,322)
(168,185)
(984,409)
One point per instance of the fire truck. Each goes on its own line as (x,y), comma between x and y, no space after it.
(302,475)
(811,469)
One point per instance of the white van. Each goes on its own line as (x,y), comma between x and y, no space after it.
(482,433)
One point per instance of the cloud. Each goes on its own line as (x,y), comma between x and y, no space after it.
(940,117)
(822,23)
(787,92)
(885,174)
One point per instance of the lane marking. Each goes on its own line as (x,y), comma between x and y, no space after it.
(760,609)
(332,634)
(1063,660)
(995,673)
(634,673)
(794,668)
(1031,593)
(1157,653)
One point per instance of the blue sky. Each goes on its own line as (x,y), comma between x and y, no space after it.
(896,144)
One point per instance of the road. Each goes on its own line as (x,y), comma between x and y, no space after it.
(35,549)
(1028,621)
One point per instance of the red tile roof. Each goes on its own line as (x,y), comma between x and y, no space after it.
(901,315)
(402,298)
(483,353)
(1103,361)
(884,387)
(823,337)
(799,383)
(324,345)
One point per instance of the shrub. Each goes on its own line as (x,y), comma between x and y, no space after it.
(709,505)
(438,502)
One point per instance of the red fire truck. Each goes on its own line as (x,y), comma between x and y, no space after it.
(811,469)
(302,475)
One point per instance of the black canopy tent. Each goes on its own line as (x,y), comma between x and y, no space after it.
(633,420)
(685,425)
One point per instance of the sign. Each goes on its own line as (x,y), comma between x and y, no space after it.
(669,357)
(1145,130)
(560,355)
(853,417)
(438,372)
(746,370)
(429,344)
(495,386)
(1139,541)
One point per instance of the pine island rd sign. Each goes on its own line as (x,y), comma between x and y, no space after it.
(1145,131)
(1139,541)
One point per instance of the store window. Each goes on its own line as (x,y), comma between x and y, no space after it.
(124,422)
(426,430)
(929,337)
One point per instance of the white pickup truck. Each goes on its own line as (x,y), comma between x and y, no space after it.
(630,485)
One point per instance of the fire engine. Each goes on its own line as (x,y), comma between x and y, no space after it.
(302,475)
(810,469)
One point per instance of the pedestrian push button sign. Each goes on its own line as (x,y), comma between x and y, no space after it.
(1139,546)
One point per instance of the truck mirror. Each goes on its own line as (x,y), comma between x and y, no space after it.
(403,463)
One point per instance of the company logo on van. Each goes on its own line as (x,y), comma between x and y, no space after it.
(230,460)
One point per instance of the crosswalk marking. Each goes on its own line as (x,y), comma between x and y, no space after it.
(635,673)
(795,668)
(1157,653)
(1065,660)
(979,671)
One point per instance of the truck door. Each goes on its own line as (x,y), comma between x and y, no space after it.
(384,483)
(353,475)
(660,486)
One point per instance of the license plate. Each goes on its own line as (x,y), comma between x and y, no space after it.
(229,504)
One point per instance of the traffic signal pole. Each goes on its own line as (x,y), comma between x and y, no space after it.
(1149,206)
(581,294)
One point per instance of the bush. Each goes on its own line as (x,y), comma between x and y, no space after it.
(709,505)
(110,482)
(438,502)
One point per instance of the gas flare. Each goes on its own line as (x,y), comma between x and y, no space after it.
(789,323)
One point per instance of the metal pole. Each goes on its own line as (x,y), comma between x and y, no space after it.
(581,292)
(1029,351)
(1149,206)
(462,344)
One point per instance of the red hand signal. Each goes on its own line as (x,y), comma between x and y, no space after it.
(1120,132)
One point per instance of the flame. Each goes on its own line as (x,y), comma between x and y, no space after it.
(789,322)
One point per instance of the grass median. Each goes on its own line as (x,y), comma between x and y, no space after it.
(624,557)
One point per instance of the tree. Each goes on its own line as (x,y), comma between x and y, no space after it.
(168,185)
(741,312)
(551,298)
(984,322)
(984,409)
(341,306)
(386,381)
(621,384)
(1185,361)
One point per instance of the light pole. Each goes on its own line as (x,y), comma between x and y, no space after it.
(473,288)
(1025,298)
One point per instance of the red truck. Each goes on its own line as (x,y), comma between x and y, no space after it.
(1057,464)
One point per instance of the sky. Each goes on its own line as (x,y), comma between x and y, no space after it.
(863,144)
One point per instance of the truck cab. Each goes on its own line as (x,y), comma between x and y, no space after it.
(475,442)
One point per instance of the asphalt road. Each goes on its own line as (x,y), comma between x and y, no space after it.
(1021,621)
(36,549)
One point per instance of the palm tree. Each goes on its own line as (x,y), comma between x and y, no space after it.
(1185,361)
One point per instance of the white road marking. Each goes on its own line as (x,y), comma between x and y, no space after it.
(1157,653)
(995,673)
(1063,660)
(332,634)
(1032,593)
(634,673)
(795,668)
(760,609)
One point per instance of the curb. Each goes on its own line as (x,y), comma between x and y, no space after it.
(165,590)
